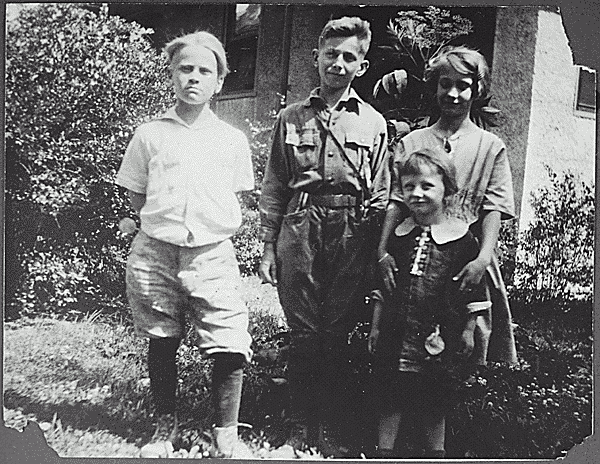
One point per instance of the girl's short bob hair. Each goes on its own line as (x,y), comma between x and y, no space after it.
(432,157)
(348,26)
(202,39)
(463,60)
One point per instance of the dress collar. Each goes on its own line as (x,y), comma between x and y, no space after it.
(448,231)
(172,114)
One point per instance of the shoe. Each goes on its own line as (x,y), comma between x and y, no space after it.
(161,443)
(226,444)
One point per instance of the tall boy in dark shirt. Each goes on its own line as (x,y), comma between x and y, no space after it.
(326,181)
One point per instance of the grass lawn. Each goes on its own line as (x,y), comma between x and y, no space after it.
(86,384)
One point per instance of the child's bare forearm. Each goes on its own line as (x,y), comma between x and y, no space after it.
(490,229)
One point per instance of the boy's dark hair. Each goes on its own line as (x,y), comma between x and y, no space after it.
(348,26)
(436,158)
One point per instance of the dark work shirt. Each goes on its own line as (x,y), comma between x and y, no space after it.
(307,155)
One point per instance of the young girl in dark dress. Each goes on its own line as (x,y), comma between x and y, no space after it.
(460,79)
(423,328)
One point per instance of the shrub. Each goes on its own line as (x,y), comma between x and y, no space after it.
(537,409)
(248,246)
(92,79)
(415,36)
(554,259)
(507,249)
(77,84)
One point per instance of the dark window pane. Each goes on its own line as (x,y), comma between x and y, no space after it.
(242,43)
(586,90)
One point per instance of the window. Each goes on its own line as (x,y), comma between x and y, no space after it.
(586,91)
(243,21)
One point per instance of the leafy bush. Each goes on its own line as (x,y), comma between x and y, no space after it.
(248,246)
(92,79)
(554,260)
(77,85)
(538,409)
(416,36)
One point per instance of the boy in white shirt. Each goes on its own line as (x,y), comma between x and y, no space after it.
(182,172)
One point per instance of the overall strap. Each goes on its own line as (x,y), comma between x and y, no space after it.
(365,194)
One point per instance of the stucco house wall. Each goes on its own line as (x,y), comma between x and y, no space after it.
(512,81)
(558,136)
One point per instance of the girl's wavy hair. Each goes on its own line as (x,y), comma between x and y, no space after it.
(203,39)
(470,62)
(434,157)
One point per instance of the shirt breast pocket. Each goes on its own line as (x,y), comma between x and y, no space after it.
(305,146)
(358,148)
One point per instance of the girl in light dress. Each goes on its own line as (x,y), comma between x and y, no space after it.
(460,79)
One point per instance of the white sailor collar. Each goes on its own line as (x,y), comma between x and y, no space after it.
(448,231)
(171,113)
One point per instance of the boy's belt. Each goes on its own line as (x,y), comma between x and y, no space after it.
(333,201)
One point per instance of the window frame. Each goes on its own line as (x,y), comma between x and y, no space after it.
(580,108)
(229,25)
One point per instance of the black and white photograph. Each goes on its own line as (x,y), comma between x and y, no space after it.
(388,253)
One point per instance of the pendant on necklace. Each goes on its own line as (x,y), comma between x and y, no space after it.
(447,145)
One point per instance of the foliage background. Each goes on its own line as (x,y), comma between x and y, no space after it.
(91,79)
(77,85)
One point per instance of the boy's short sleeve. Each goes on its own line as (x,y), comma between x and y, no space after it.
(244,175)
(133,173)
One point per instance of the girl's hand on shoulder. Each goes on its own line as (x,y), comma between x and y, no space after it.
(471,274)
(387,270)
(267,269)
(372,340)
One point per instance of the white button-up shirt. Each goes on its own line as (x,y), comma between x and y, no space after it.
(190,175)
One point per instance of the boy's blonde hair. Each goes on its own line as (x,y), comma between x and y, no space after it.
(464,60)
(348,27)
(433,157)
(203,39)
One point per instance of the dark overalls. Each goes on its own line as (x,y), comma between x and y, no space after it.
(326,181)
